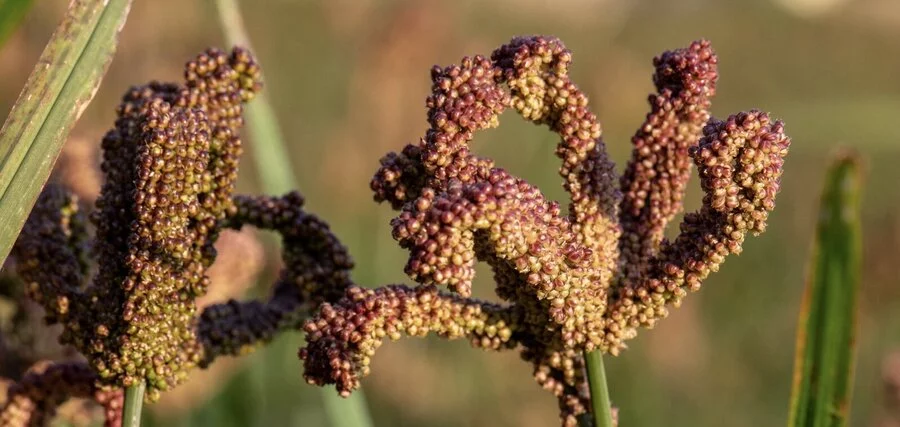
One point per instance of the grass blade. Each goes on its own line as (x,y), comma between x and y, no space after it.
(346,412)
(62,84)
(826,350)
(272,158)
(11,14)
(277,177)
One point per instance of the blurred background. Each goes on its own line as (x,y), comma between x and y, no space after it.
(348,79)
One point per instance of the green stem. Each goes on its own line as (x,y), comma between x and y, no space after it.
(134,400)
(600,405)
(277,176)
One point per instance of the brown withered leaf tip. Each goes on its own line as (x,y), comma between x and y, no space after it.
(581,279)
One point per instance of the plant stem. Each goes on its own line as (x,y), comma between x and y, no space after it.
(277,176)
(600,405)
(134,400)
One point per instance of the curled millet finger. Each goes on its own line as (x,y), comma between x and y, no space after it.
(657,174)
(34,399)
(342,339)
(740,161)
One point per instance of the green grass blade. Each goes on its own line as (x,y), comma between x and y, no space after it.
(43,87)
(11,14)
(826,346)
(275,171)
(277,177)
(62,84)
(346,412)
(273,160)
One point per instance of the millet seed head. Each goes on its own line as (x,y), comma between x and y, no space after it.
(572,281)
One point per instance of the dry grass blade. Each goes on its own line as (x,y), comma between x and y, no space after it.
(825,357)
(62,84)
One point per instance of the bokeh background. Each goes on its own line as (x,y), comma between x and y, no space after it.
(348,79)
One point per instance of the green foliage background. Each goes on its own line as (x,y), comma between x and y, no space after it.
(348,80)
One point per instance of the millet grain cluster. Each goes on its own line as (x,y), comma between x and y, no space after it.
(577,280)
(170,165)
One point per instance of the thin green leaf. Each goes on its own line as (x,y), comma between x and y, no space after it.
(11,14)
(277,177)
(269,150)
(272,158)
(62,84)
(826,346)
